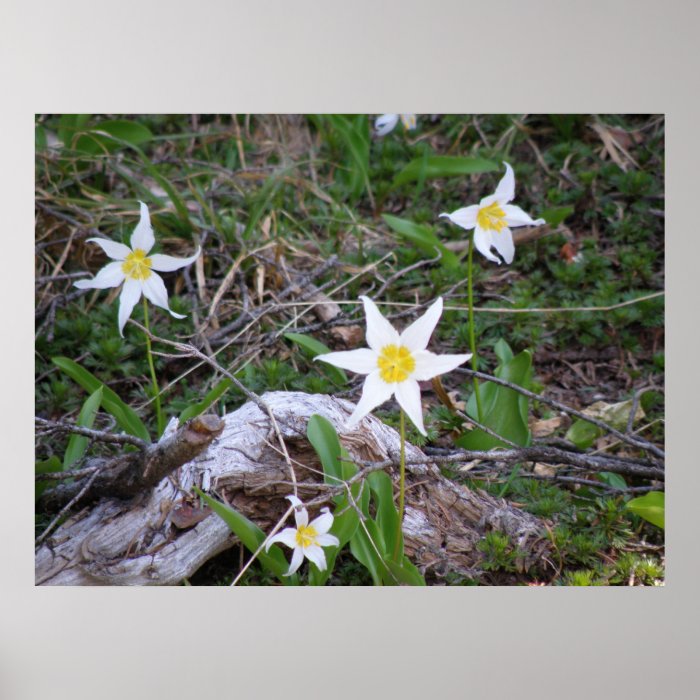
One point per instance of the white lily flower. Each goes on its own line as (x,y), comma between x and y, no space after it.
(387,122)
(307,538)
(492,218)
(136,269)
(393,363)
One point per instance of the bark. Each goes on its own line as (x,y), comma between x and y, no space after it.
(161,537)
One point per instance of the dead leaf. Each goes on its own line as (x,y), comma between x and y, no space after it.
(615,414)
(542,428)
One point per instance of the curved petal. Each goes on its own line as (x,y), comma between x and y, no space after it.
(385,123)
(167,263)
(315,554)
(464,217)
(116,251)
(417,335)
(294,500)
(408,396)
(143,237)
(328,541)
(362,361)
(409,121)
(502,241)
(301,517)
(429,365)
(379,331)
(506,187)
(482,241)
(323,523)
(154,290)
(297,559)
(111,275)
(288,536)
(131,293)
(515,216)
(374,393)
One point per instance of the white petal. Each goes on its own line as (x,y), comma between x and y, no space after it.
(294,500)
(482,241)
(142,237)
(131,293)
(429,365)
(301,517)
(116,251)
(409,121)
(379,331)
(502,241)
(297,559)
(465,217)
(385,123)
(315,554)
(154,290)
(111,275)
(506,187)
(323,523)
(362,361)
(417,335)
(408,396)
(167,263)
(328,541)
(288,536)
(515,216)
(374,393)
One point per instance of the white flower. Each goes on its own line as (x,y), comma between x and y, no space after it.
(136,269)
(307,538)
(491,219)
(387,122)
(393,363)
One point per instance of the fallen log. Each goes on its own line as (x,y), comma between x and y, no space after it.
(161,537)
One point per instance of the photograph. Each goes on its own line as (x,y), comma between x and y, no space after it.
(349,349)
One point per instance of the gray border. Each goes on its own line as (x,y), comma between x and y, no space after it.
(279,56)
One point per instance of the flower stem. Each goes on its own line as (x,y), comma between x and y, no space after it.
(154,381)
(472,341)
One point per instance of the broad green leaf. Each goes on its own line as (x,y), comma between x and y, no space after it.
(503,351)
(505,410)
(555,215)
(69,125)
(387,517)
(651,506)
(583,434)
(77,444)
(612,479)
(406,572)
(422,236)
(52,464)
(107,136)
(208,400)
(443,166)
(324,439)
(252,537)
(126,417)
(363,550)
(315,347)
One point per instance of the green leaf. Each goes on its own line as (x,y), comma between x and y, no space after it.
(252,537)
(503,351)
(364,551)
(354,134)
(69,125)
(505,410)
(324,439)
(107,136)
(612,479)
(583,434)
(651,507)
(126,417)
(208,400)
(443,166)
(77,444)
(556,215)
(406,572)
(422,236)
(387,517)
(52,464)
(315,347)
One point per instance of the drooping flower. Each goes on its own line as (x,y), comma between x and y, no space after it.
(393,363)
(387,122)
(492,219)
(136,269)
(307,538)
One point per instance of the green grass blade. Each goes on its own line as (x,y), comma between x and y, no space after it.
(216,393)
(315,347)
(443,166)
(422,236)
(77,444)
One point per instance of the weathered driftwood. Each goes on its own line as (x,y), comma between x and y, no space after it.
(155,538)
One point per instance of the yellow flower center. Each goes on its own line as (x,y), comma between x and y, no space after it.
(491,217)
(395,363)
(306,535)
(136,265)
